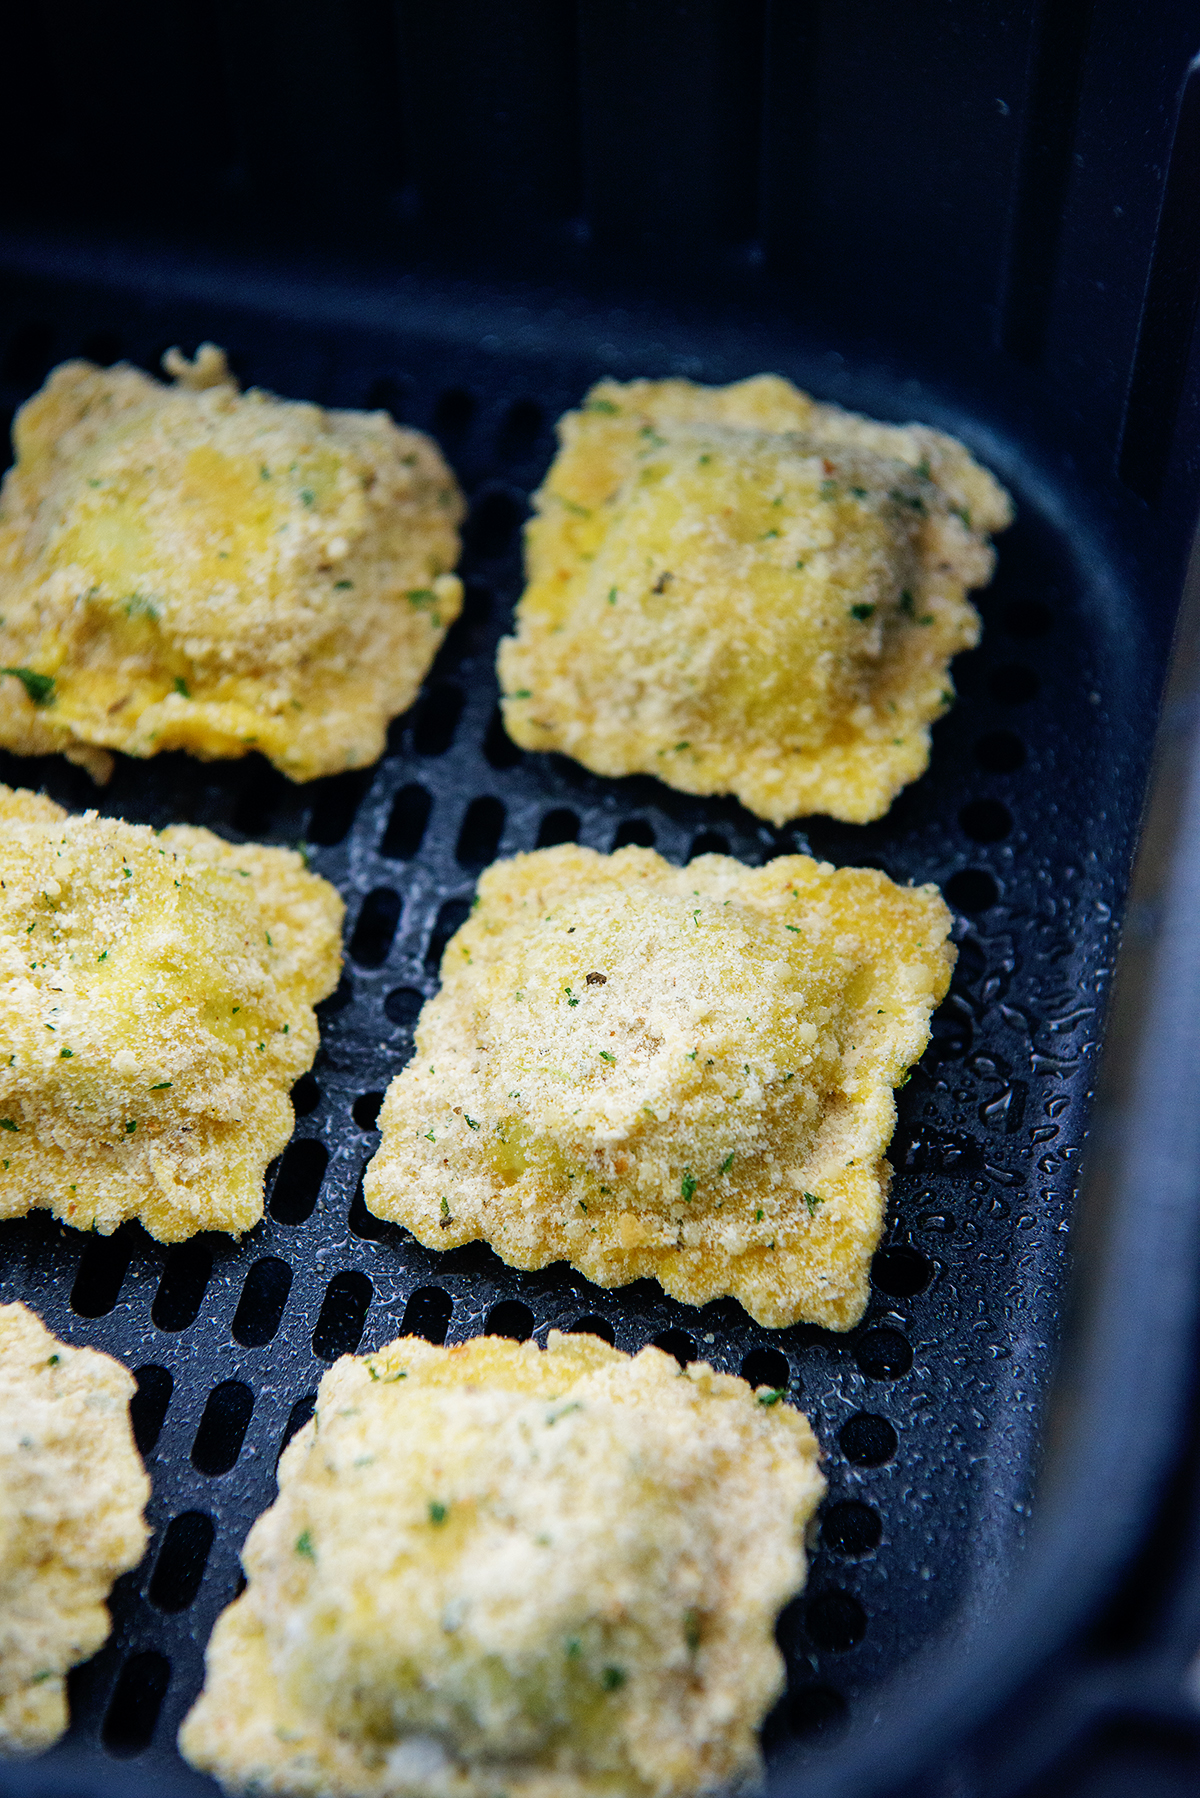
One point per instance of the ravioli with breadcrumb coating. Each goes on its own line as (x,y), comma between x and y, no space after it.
(681,1074)
(493,1568)
(741,591)
(190,567)
(156,995)
(72,1492)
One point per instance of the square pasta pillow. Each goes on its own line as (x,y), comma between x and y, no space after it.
(72,1492)
(741,591)
(495,1568)
(678,1074)
(190,567)
(156,1008)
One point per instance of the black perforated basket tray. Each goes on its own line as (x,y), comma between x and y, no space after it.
(962,1406)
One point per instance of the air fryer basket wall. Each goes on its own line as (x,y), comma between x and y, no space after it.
(914,217)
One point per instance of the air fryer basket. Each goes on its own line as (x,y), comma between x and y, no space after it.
(977,1394)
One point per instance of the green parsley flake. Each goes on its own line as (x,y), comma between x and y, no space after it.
(862,612)
(772,1398)
(65,1054)
(304,1546)
(388,1379)
(727,1163)
(613,1678)
(688,1185)
(812,1201)
(39,688)
(131,1127)
(438,1512)
(607,1055)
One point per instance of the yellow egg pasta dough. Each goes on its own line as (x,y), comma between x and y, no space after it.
(72,1492)
(190,567)
(678,1074)
(741,591)
(493,1568)
(156,995)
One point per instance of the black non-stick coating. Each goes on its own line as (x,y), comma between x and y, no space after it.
(928,1411)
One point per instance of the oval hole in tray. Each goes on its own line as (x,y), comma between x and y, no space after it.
(850,1528)
(182,1559)
(181,1289)
(343,1314)
(376,927)
(767,1367)
(406,824)
(867,1440)
(223,1427)
(594,1325)
(102,1269)
(677,1343)
(137,1698)
(298,1182)
(148,1406)
(298,1416)
(558,826)
(261,1305)
(427,1314)
(510,1318)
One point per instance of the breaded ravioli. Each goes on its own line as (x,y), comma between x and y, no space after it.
(496,1569)
(72,1492)
(742,591)
(677,1074)
(190,567)
(156,995)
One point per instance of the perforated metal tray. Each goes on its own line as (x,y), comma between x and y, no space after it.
(929,1412)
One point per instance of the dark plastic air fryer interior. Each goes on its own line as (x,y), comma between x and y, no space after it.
(466,214)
